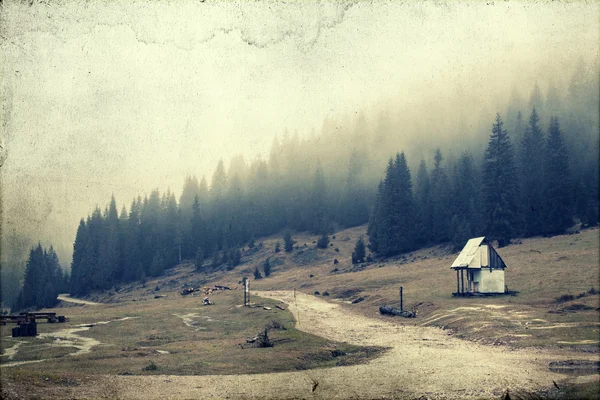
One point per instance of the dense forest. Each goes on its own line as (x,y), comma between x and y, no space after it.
(44,280)
(535,172)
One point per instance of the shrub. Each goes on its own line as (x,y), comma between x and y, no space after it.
(564,298)
(150,367)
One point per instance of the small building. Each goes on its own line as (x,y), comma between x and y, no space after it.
(483,267)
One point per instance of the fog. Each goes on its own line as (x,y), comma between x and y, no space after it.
(102,98)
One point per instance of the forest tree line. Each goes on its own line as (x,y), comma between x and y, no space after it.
(536,177)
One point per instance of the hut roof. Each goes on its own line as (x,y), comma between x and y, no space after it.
(468,252)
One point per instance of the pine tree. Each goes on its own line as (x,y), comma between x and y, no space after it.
(500,186)
(532,174)
(288,242)
(267,268)
(558,184)
(440,201)
(199,262)
(393,216)
(318,203)
(257,274)
(277,247)
(157,268)
(323,241)
(465,193)
(354,210)
(358,256)
(423,207)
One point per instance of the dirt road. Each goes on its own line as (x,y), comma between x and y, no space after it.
(422,361)
(67,297)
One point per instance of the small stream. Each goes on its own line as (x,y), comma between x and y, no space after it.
(64,338)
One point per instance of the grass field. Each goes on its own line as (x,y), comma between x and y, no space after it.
(135,334)
(542,270)
(175,336)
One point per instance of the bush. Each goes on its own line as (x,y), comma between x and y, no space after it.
(564,298)
(277,247)
(150,367)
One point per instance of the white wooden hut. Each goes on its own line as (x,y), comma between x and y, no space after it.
(483,267)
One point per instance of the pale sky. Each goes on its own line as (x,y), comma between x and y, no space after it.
(121,97)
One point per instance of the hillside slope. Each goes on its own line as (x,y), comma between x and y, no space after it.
(542,270)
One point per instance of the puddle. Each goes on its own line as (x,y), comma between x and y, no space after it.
(64,338)
(575,367)
(578,342)
(11,351)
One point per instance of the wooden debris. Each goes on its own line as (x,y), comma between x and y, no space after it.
(278,306)
(266,308)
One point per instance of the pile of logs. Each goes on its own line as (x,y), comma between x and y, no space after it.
(27,322)
(389,310)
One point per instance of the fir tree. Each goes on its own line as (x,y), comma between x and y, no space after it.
(267,268)
(288,242)
(499,186)
(157,267)
(532,173)
(323,241)
(440,201)
(358,256)
(423,207)
(558,183)
(199,262)
(257,274)
(393,216)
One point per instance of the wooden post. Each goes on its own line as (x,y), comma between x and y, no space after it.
(457,284)
(401,309)
(462,280)
(246,282)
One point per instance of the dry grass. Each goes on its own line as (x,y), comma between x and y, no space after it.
(541,269)
(178,336)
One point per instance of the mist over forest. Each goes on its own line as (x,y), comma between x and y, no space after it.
(184,188)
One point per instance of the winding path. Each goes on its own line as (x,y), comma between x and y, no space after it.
(67,297)
(421,361)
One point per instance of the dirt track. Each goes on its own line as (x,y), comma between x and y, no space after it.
(69,299)
(422,361)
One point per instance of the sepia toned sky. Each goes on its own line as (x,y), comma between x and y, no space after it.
(103,97)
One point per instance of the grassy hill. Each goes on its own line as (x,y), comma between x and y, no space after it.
(150,328)
(557,279)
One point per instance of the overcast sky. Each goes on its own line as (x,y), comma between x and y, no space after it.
(104,97)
